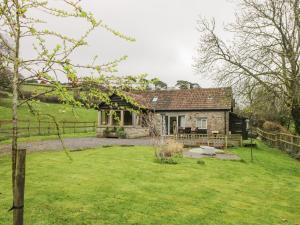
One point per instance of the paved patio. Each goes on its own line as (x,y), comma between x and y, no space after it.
(198,155)
(210,152)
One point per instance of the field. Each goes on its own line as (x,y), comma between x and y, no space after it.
(124,185)
(31,125)
(60,111)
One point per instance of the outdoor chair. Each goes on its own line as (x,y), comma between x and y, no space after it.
(187,130)
(180,130)
(200,131)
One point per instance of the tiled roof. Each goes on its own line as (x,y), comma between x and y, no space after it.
(190,99)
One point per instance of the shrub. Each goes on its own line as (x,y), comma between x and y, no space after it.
(167,151)
(4,94)
(114,132)
(109,131)
(297,155)
(200,162)
(121,133)
(25,94)
(42,98)
(106,132)
(274,127)
(49,99)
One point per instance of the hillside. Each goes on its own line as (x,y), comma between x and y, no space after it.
(60,111)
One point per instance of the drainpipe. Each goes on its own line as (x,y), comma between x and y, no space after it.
(225,120)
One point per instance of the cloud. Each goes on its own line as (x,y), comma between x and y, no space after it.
(165,33)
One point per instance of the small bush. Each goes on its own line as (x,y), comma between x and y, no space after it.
(42,98)
(242,161)
(25,94)
(49,99)
(274,127)
(167,160)
(293,153)
(200,162)
(4,94)
(121,133)
(297,155)
(167,151)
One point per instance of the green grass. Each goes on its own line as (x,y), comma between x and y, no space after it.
(60,111)
(123,185)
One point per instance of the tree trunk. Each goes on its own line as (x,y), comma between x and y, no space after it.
(296,116)
(18,155)
(18,207)
(14,153)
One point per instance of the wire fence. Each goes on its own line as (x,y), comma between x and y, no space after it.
(286,142)
(27,128)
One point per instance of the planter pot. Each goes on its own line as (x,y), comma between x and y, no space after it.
(112,135)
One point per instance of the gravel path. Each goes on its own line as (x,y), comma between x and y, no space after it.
(93,142)
(74,144)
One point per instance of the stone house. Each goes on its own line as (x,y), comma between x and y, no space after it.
(202,110)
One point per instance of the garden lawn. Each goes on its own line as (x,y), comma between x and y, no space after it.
(124,185)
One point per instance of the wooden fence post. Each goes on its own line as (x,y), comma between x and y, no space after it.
(63,126)
(28,128)
(241,141)
(39,127)
(277,138)
(226,144)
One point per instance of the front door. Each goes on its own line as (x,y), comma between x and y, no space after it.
(173,125)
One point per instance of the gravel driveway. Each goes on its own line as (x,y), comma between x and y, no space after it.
(74,144)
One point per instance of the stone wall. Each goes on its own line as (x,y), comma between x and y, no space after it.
(216,120)
(131,132)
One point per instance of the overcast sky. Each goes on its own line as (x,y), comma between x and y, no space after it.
(165,33)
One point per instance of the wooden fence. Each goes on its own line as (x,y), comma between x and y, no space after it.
(286,142)
(27,128)
(222,141)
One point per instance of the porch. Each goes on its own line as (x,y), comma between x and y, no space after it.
(113,122)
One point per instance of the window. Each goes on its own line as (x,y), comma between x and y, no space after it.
(202,123)
(104,117)
(116,118)
(166,125)
(127,118)
(181,121)
(155,99)
(138,120)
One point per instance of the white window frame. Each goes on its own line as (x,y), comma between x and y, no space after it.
(184,120)
(200,122)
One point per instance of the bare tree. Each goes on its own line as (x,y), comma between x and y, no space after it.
(51,64)
(264,50)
